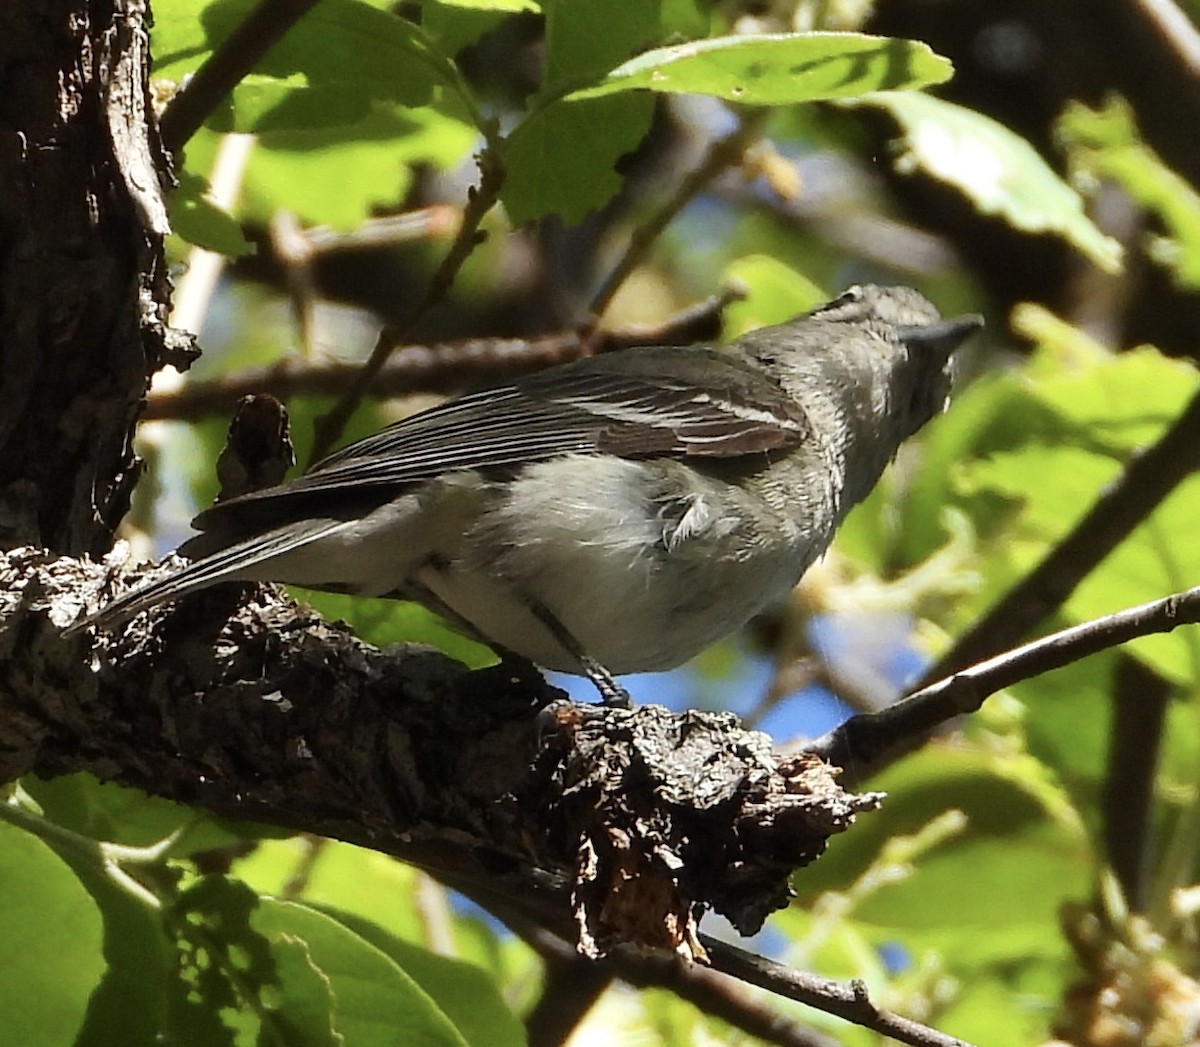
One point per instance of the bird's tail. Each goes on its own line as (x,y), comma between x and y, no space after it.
(241,561)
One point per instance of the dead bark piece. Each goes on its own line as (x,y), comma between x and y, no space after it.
(672,814)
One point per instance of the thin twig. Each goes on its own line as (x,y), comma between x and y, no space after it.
(722,154)
(863,742)
(709,991)
(229,62)
(481,199)
(444,368)
(719,990)
(850,1002)
(1148,478)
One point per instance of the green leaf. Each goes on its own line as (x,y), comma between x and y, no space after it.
(383,622)
(506,6)
(1148,565)
(1045,444)
(199,221)
(464,992)
(339,176)
(341,876)
(349,881)
(686,18)
(1105,144)
(1068,717)
(1023,852)
(561,159)
(265,103)
(779,69)
(1115,403)
(585,39)
(303,1008)
(374,1002)
(51,940)
(1105,405)
(122,814)
(345,45)
(1007,1003)
(451,27)
(128,1008)
(225,965)
(775,293)
(998,170)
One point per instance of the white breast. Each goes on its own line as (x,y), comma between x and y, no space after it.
(642,574)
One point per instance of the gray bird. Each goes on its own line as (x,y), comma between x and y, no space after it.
(617,514)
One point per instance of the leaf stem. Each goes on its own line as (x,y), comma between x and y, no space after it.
(105,856)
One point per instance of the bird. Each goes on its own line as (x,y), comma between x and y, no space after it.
(616,514)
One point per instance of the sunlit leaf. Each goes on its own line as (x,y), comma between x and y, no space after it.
(775,293)
(122,814)
(129,1006)
(1105,144)
(384,622)
(199,221)
(778,69)
(585,39)
(509,6)
(997,169)
(374,1002)
(467,996)
(368,52)
(51,938)
(339,176)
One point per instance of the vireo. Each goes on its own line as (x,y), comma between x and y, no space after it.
(612,515)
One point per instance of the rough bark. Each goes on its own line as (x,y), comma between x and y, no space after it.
(609,827)
(83,289)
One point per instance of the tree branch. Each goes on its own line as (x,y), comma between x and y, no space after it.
(1148,478)
(863,743)
(851,1002)
(571,985)
(610,827)
(446,368)
(83,277)
(719,990)
(708,991)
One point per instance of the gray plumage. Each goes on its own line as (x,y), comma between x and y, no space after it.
(621,512)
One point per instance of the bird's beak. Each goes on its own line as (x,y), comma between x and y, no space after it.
(942,337)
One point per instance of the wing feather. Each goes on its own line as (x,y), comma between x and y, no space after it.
(713,405)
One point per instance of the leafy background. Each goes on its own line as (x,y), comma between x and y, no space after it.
(979,899)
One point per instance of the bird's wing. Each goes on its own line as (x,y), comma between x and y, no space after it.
(719,407)
(653,403)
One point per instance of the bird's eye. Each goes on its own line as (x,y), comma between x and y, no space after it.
(850,296)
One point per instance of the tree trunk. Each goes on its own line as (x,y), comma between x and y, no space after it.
(83,289)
